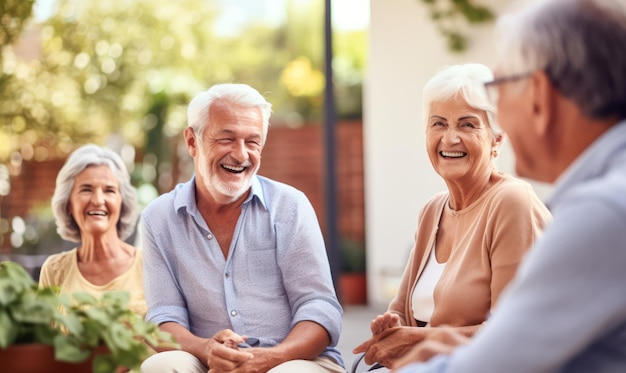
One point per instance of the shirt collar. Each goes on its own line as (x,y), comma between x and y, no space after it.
(186,195)
(609,149)
(257,191)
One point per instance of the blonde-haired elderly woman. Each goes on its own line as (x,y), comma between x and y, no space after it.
(470,238)
(95,205)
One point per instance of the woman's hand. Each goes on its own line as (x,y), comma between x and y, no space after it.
(378,325)
(383,322)
(439,341)
(388,346)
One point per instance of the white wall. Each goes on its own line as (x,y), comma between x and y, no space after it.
(405,50)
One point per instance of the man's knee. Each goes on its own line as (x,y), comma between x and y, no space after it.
(319,365)
(172,362)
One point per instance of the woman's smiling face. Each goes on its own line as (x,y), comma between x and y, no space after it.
(95,201)
(459,141)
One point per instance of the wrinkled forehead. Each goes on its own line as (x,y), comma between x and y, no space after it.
(224,117)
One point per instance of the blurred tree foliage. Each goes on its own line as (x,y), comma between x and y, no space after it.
(452,16)
(13,14)
(129,68)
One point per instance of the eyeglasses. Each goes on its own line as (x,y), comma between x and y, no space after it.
(492,87)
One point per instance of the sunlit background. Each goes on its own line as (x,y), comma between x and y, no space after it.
(120,73)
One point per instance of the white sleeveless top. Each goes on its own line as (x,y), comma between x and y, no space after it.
(423,301)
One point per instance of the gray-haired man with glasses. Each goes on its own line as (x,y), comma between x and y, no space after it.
(561,97)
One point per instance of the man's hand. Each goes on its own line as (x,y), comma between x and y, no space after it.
(222,352)
(441,340)
(263,360)
(305,341)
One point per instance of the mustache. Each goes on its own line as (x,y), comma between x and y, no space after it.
(232,162)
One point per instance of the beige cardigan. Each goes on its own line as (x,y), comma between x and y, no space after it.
(497,229)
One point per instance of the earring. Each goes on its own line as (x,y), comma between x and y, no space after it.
(494,153)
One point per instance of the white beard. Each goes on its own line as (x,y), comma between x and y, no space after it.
(231,190)
(234,190)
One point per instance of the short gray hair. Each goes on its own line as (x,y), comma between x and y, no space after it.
(579,44)
(466,80)
(234,93)
(82,158)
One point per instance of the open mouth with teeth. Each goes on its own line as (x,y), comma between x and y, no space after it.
(234,169)
(452,154)
(96,213)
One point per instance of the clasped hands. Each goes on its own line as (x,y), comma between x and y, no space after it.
(389,340)
(224,355)
(394,346)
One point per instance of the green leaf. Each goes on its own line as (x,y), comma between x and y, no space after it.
(8,329)
(17,274)
(129,358)
(9,292)
(98,315)
(456,10)
(83,298)
(14,280)
(45,333)
(71,322)
(456,42)
(67,348)
(121,336)
(75,325)
(92,334)
(103,364)
(120,298)
(35,309)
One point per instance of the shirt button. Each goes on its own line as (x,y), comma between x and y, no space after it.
(210,236)
(226,275)
(233,313)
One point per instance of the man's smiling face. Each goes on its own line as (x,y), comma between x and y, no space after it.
(229,152)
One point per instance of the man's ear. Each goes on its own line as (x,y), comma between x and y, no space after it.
(543,101)
(190,141)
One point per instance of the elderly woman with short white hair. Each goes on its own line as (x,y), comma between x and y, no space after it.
(471,237)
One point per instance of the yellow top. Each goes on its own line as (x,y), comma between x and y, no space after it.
(62,270)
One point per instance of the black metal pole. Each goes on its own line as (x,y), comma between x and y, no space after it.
(330,119)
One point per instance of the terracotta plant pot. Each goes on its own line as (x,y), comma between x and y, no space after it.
(353,288)
(37,358)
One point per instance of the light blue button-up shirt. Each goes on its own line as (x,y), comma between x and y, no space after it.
(565,311)
(276,273)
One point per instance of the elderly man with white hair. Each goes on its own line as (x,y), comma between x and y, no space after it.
(235,266)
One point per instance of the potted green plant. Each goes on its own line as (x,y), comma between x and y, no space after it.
(353,278)
(78,331)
